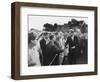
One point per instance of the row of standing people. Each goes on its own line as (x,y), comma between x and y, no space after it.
(53,49)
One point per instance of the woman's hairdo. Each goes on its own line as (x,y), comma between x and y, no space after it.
(31,36)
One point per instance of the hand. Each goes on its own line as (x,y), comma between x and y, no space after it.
(73,47)
(66,46)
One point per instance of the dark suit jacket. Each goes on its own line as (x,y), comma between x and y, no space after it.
(43,48)
(74,42)
(51,52)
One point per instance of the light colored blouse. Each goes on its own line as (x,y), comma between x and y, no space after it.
(33,56)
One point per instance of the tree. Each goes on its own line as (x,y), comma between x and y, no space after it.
(48,27)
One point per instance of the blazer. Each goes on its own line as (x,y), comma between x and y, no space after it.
(43,49)
(43,46)
(71,43)
(52,51)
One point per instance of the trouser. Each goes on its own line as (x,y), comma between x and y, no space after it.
(72,58)
(65,60)
(61,57)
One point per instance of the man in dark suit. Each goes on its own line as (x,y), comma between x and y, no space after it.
(73,43)
(52,52)
(43,44)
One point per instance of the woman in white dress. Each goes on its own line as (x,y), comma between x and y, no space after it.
(33,51)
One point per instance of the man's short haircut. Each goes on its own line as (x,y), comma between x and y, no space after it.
(45,33)
(51,37)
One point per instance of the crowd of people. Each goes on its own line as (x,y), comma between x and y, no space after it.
(56,48)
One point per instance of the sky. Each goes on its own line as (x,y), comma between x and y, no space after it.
(37,21)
